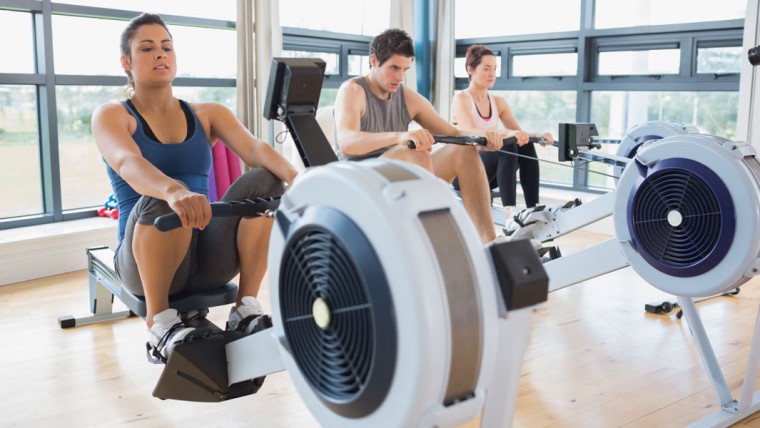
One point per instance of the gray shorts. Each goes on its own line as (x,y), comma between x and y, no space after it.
(212,258)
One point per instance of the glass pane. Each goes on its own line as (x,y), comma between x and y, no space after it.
(616,112)
(460,67)
(365,17)
(647,62)
(225,96)
(205,52)
(331,59)
(327,97)
(633,13)
(565,64)
(20,175)
(73,56)
(358,65)
(719,60)
(488,18)
(224,9)
(541,111)
(84,182)
(16,26)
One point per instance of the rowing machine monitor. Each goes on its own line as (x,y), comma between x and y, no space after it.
(573,137)
(292,98)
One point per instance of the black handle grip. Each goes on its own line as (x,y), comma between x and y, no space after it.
(244,208)
(513,140)
(472,140)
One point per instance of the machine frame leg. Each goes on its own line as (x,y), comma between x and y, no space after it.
(731,410)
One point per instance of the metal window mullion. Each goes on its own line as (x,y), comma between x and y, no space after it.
(688,66)
(587,60)
(47,115)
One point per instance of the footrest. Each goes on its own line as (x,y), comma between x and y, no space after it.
(197,371)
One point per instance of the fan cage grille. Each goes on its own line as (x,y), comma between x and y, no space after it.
(338,359)
(700,228)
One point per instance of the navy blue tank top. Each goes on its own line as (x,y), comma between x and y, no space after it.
(188,161)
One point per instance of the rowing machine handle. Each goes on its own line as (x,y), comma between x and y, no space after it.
(469,141)
(245,208)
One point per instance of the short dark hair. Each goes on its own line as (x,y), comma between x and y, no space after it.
(474,55)
(391,42)
(129,33)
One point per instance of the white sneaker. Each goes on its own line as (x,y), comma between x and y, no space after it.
(167,331)
(241,318)
(510,224)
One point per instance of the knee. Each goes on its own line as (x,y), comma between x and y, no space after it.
(255,183)
(468,156)
(148,209)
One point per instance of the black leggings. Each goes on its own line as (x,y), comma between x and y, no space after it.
(501,170)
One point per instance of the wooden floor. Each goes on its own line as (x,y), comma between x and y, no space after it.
(595,359)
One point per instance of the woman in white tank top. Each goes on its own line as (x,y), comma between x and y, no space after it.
(476,108)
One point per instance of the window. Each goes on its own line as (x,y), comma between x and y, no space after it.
(541,111)
(93,56)
(358,65)
(50,168)
(20,177)
(205,52)
(226,9)
(643,62)
(488,18)
(84,182)
(365,17)
(615,112)
(682,66)
(16,26)
(635,13)
(719,60)
(563,64)
(75,56)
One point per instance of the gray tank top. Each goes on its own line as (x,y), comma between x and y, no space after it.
(381,115)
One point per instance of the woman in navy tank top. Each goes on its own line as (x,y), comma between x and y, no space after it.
(157,151)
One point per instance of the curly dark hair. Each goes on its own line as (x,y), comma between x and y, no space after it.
(129,33)
(474,55)
(391,42)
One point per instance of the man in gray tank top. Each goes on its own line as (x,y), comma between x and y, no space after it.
(372,116)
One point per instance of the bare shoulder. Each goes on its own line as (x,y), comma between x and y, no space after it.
(459,98)
(109,110)
(351,97)
(208,108)
(501,102)
(352,89)
(113,115)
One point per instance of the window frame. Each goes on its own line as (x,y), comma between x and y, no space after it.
(589,42)
(46,80)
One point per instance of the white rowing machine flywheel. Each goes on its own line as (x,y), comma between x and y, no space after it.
(649,131)
(687,214)
(384,294)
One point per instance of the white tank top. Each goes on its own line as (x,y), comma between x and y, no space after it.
(486,124)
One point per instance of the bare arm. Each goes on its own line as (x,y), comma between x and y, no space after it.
(111,130)
(253,151)
(509,121)
(466,126)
